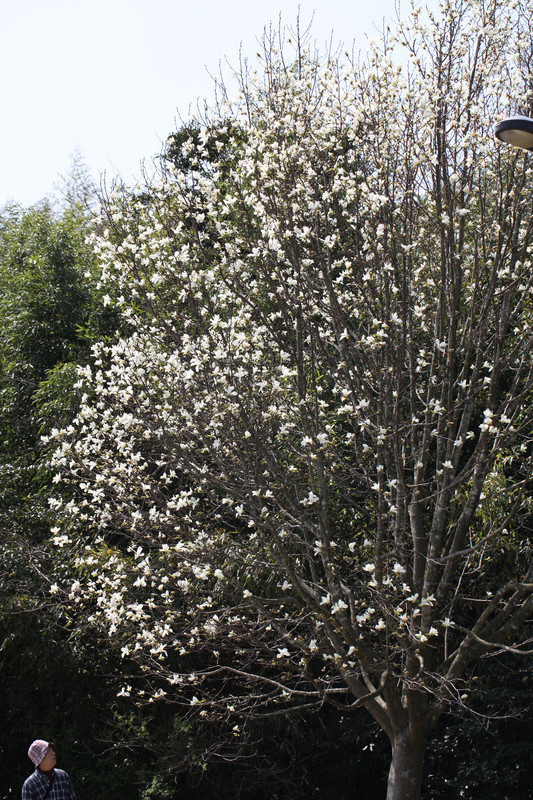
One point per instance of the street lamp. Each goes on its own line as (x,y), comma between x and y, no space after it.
(517,131)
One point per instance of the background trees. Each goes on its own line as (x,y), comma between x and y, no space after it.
(42,295)
(54,681)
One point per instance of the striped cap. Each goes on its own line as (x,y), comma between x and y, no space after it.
(37,751)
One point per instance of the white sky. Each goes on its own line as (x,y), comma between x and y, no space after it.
(109,77)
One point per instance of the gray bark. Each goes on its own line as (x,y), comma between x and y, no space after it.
(405,773)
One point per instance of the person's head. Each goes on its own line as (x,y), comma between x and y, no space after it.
(42,754)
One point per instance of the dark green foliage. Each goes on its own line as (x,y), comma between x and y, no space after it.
(55,691)
(43,293)
(488,755)
(294,756)
(178,149)
(50,310)
(41,298)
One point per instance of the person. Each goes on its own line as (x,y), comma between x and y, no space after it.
(47,782)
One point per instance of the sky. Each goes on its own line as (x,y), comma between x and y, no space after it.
(110,79)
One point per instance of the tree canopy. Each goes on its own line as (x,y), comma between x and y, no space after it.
(305,476)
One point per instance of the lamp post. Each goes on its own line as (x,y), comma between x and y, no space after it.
(517,131)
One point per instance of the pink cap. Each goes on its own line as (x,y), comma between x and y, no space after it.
(37,751)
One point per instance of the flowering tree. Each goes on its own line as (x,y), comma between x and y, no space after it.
(304,469)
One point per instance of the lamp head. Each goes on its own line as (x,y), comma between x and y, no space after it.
(517,131)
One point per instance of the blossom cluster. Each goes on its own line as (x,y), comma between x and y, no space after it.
(330,299)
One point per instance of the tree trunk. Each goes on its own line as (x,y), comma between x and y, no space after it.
(405,774)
